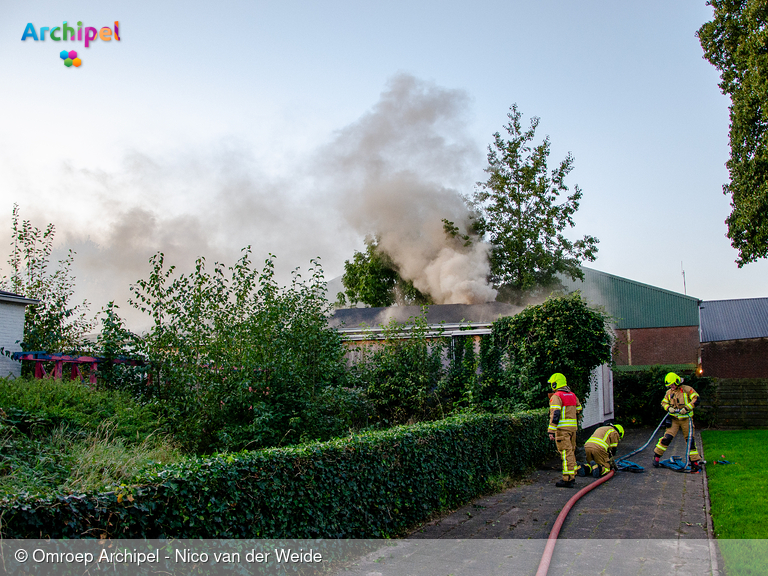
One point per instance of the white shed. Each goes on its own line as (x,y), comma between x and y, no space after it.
(12,308)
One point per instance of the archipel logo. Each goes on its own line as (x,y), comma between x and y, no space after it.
(68,34)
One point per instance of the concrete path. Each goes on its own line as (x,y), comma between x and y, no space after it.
(647,523)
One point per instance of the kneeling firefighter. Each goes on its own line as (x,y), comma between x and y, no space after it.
(679,402)
(601,449)
(564,408)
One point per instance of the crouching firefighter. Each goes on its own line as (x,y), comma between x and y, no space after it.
(679,402)
(564,408)
(601,449)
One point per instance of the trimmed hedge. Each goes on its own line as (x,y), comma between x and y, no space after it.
(372,485)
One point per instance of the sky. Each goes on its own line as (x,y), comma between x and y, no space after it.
(298,128)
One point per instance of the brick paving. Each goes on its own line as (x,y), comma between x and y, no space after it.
(639,524)
(658,504)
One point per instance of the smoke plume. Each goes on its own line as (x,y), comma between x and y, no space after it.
(393,171)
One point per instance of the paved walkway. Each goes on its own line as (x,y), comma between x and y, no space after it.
(647,523)
(658,503)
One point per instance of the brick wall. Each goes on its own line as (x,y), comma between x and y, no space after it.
(11,331)
(735,358)
(651,346)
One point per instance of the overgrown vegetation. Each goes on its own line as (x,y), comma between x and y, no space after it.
(235,362)
(63,438)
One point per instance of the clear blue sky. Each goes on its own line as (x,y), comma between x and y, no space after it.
(205,128)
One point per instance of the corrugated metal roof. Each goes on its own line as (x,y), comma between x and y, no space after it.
(734,319)
(634,304)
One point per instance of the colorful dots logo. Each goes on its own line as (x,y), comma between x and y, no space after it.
(70,58)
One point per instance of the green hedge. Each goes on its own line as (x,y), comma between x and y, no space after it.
(366,486)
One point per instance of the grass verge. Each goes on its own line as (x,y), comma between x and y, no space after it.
(737,495)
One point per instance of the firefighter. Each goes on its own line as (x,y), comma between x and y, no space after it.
(679,402)
(601,449)
(564,408)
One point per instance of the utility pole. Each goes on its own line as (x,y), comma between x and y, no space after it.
(685,291)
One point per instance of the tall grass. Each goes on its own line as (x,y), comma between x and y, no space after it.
(60,437)
(65,461)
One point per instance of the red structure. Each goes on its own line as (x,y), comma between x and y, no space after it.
(75,362)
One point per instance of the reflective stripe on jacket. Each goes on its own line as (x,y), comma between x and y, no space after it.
(567,405)
(683,397)
(606,437)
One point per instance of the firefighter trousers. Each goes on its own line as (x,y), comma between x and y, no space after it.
(565,440)
(678,424)
(598,455)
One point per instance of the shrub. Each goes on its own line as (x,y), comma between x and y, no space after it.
(237,360)
(401,374)
(561,335)
(371,485)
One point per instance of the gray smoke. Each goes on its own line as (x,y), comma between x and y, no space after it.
(394,171)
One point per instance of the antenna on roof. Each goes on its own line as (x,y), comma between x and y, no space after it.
(685,291)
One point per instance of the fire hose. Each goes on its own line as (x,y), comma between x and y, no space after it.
(552,540)
(673,463)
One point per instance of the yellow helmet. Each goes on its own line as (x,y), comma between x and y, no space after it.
(672,378)
(557,381)
(620,429)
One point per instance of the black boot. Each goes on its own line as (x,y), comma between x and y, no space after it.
(584,470)
(695,467)
(565,483)
(656,459)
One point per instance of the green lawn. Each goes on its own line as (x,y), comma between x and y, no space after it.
(739,497)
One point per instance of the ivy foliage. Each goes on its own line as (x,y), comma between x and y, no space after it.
(373,485)
(563,334)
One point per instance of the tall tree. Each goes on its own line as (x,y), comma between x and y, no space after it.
(372,278)
(55,323)
(518,210)
(736,43)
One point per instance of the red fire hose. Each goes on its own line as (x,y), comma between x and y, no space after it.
(552,540)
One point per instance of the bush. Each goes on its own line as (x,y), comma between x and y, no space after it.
(401,373)
(371,485)
(561,335)
(237,360)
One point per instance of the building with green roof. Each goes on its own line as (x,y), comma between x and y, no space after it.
(653,326)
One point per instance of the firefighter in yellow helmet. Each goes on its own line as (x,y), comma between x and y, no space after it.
(564,408)
(679,402)
(601,449)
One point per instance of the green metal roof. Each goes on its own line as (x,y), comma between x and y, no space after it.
(634,304)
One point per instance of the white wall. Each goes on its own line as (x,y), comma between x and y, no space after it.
(599,405)
(11,333)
